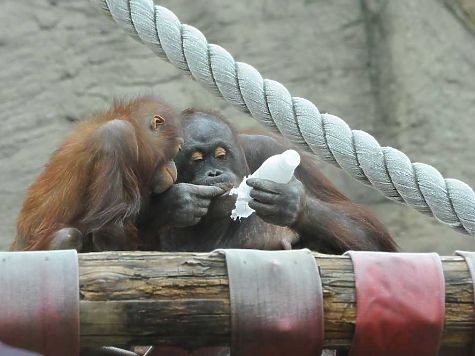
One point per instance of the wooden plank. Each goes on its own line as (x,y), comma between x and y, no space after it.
(182,299)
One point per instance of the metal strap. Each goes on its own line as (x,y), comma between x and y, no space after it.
(400,300)
(176,351)
(470,260)
(276,303)
(6,350)
(39,301)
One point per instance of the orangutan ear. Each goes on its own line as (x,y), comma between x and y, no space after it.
(156,122)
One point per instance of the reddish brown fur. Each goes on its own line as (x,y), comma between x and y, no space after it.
(100,175)
(377,236)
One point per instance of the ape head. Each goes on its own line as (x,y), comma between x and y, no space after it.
(211,154)
(157,126)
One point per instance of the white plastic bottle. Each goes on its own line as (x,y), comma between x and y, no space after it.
(279,168)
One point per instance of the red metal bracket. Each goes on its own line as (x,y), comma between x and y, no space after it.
(400,300)
(39,301)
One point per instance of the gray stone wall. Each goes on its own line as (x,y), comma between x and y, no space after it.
(402,70)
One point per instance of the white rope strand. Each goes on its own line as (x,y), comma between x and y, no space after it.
(389,170)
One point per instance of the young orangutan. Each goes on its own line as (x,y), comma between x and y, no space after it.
(98,183)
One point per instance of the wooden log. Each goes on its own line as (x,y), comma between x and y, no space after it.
(182,299)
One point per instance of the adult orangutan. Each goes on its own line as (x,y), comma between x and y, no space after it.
(194,214)
(98,183)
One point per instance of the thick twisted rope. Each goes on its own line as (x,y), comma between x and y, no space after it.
(419,185)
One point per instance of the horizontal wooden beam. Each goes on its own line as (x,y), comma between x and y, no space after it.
(182,299)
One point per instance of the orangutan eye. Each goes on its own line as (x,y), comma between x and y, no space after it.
(196,156)
(157,121)
(220,153)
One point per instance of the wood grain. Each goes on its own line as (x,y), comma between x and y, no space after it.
(182,299)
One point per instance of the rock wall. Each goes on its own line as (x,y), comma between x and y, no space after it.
(401,70)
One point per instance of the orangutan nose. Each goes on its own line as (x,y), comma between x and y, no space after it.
(214,173)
